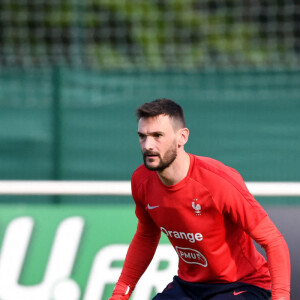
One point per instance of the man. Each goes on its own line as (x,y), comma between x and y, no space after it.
(207,213)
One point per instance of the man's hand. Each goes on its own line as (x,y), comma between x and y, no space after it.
(122,291)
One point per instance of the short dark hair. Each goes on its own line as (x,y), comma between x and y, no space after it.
(161,107)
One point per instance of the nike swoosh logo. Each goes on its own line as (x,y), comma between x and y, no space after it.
(237,293)
(152,207)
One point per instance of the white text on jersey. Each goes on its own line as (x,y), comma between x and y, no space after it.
(189,236)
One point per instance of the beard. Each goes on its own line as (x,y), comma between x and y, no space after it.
(164,161)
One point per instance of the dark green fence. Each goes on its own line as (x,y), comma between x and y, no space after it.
(80,124)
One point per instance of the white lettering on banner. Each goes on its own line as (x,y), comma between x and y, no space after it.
(57,284)
(59,267)
(155,278)
(102,273)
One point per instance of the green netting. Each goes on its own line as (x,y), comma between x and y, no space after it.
(118,34)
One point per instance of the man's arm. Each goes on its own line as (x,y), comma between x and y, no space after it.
(140,253)
(267,235)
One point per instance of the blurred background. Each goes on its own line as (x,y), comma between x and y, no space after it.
(73,72)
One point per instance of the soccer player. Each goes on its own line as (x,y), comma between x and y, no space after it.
(209,216)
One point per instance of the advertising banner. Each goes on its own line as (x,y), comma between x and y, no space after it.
(72,252)
(76,252)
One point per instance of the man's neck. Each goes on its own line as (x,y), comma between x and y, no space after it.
(176,171)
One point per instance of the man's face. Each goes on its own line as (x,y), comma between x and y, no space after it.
(158,142)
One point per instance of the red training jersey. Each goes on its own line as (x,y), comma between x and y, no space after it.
(207,217)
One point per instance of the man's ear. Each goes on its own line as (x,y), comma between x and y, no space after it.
(183,136)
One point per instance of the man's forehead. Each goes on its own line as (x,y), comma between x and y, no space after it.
(159,122)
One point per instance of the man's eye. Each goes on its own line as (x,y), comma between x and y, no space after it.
(157,135)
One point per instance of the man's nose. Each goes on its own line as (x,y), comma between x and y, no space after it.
(148,143)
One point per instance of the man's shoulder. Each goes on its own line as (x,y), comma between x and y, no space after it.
(212,169)
(139,179)
(141,174)
(217,176)
(211,164)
